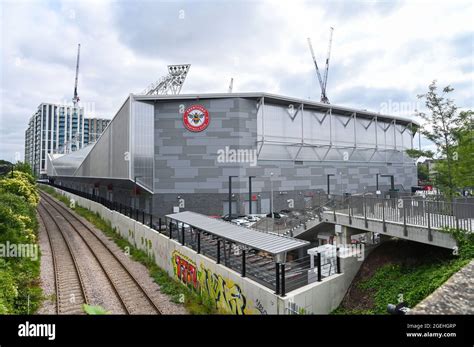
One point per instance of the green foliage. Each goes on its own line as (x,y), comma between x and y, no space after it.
(416,153)
(444,126)
(465,242)
(423,172)
(392,282)
(8,289)
(24,167)
(94,309)
(411,284)
(21,184)
(463,163)
(20,291)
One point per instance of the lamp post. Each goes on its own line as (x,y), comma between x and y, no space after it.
(250,194)
(342,184)
(271,194)
(230,196)
(392,181)
(329,187)
(377,184)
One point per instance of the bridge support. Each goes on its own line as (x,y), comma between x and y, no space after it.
(344,236)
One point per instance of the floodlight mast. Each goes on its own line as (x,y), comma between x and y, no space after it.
(171,83)
(231,85)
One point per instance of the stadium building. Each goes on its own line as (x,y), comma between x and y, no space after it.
(169,153)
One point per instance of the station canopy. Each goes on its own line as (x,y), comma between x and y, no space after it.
(252,238)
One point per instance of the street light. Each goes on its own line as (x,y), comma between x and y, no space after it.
(342,184)
(230,196)
(377,191)
(271,194)
(392,181)
(250,194)
(329,187)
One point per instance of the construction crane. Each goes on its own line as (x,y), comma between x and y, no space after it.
(322,79)
(231,85)
(75,98)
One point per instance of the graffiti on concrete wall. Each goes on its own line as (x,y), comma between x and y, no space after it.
(226,294)
(184,269)
(260,307)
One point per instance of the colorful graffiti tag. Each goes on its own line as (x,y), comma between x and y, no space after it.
(184,269)
(226,294)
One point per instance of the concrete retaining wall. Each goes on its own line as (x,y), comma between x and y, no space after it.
(231,292)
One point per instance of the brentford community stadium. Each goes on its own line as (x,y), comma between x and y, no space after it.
(248,152)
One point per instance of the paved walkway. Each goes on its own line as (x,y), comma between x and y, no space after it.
(455,296)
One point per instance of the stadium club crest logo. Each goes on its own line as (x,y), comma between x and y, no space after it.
(196,118)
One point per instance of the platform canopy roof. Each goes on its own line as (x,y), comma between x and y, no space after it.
(264,241)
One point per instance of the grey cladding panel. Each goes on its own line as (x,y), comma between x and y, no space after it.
(107,157)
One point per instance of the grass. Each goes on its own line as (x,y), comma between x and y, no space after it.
(180,294)
(393,283)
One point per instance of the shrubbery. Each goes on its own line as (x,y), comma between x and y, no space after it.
(19,276)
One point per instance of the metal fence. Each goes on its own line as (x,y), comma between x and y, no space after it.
(416,211)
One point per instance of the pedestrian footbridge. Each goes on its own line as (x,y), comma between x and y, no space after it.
(406,218)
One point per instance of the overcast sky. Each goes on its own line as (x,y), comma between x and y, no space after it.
(383,53)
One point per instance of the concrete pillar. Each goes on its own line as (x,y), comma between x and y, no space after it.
(344,233)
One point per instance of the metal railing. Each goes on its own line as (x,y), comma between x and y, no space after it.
(418,211)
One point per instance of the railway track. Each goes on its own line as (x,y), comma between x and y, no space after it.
(130,293)
(68,282)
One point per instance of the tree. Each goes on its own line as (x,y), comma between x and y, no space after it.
(464,151)
(423,172)
(24,167)
(440,127)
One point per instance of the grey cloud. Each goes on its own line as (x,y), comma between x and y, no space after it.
(345,9)
(371,98)
(207,31)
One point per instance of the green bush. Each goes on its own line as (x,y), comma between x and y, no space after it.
(20,290)
(21,184)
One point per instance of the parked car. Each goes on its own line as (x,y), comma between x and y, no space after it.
(239,221)
(251,218)
(276,215)
(228,217)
